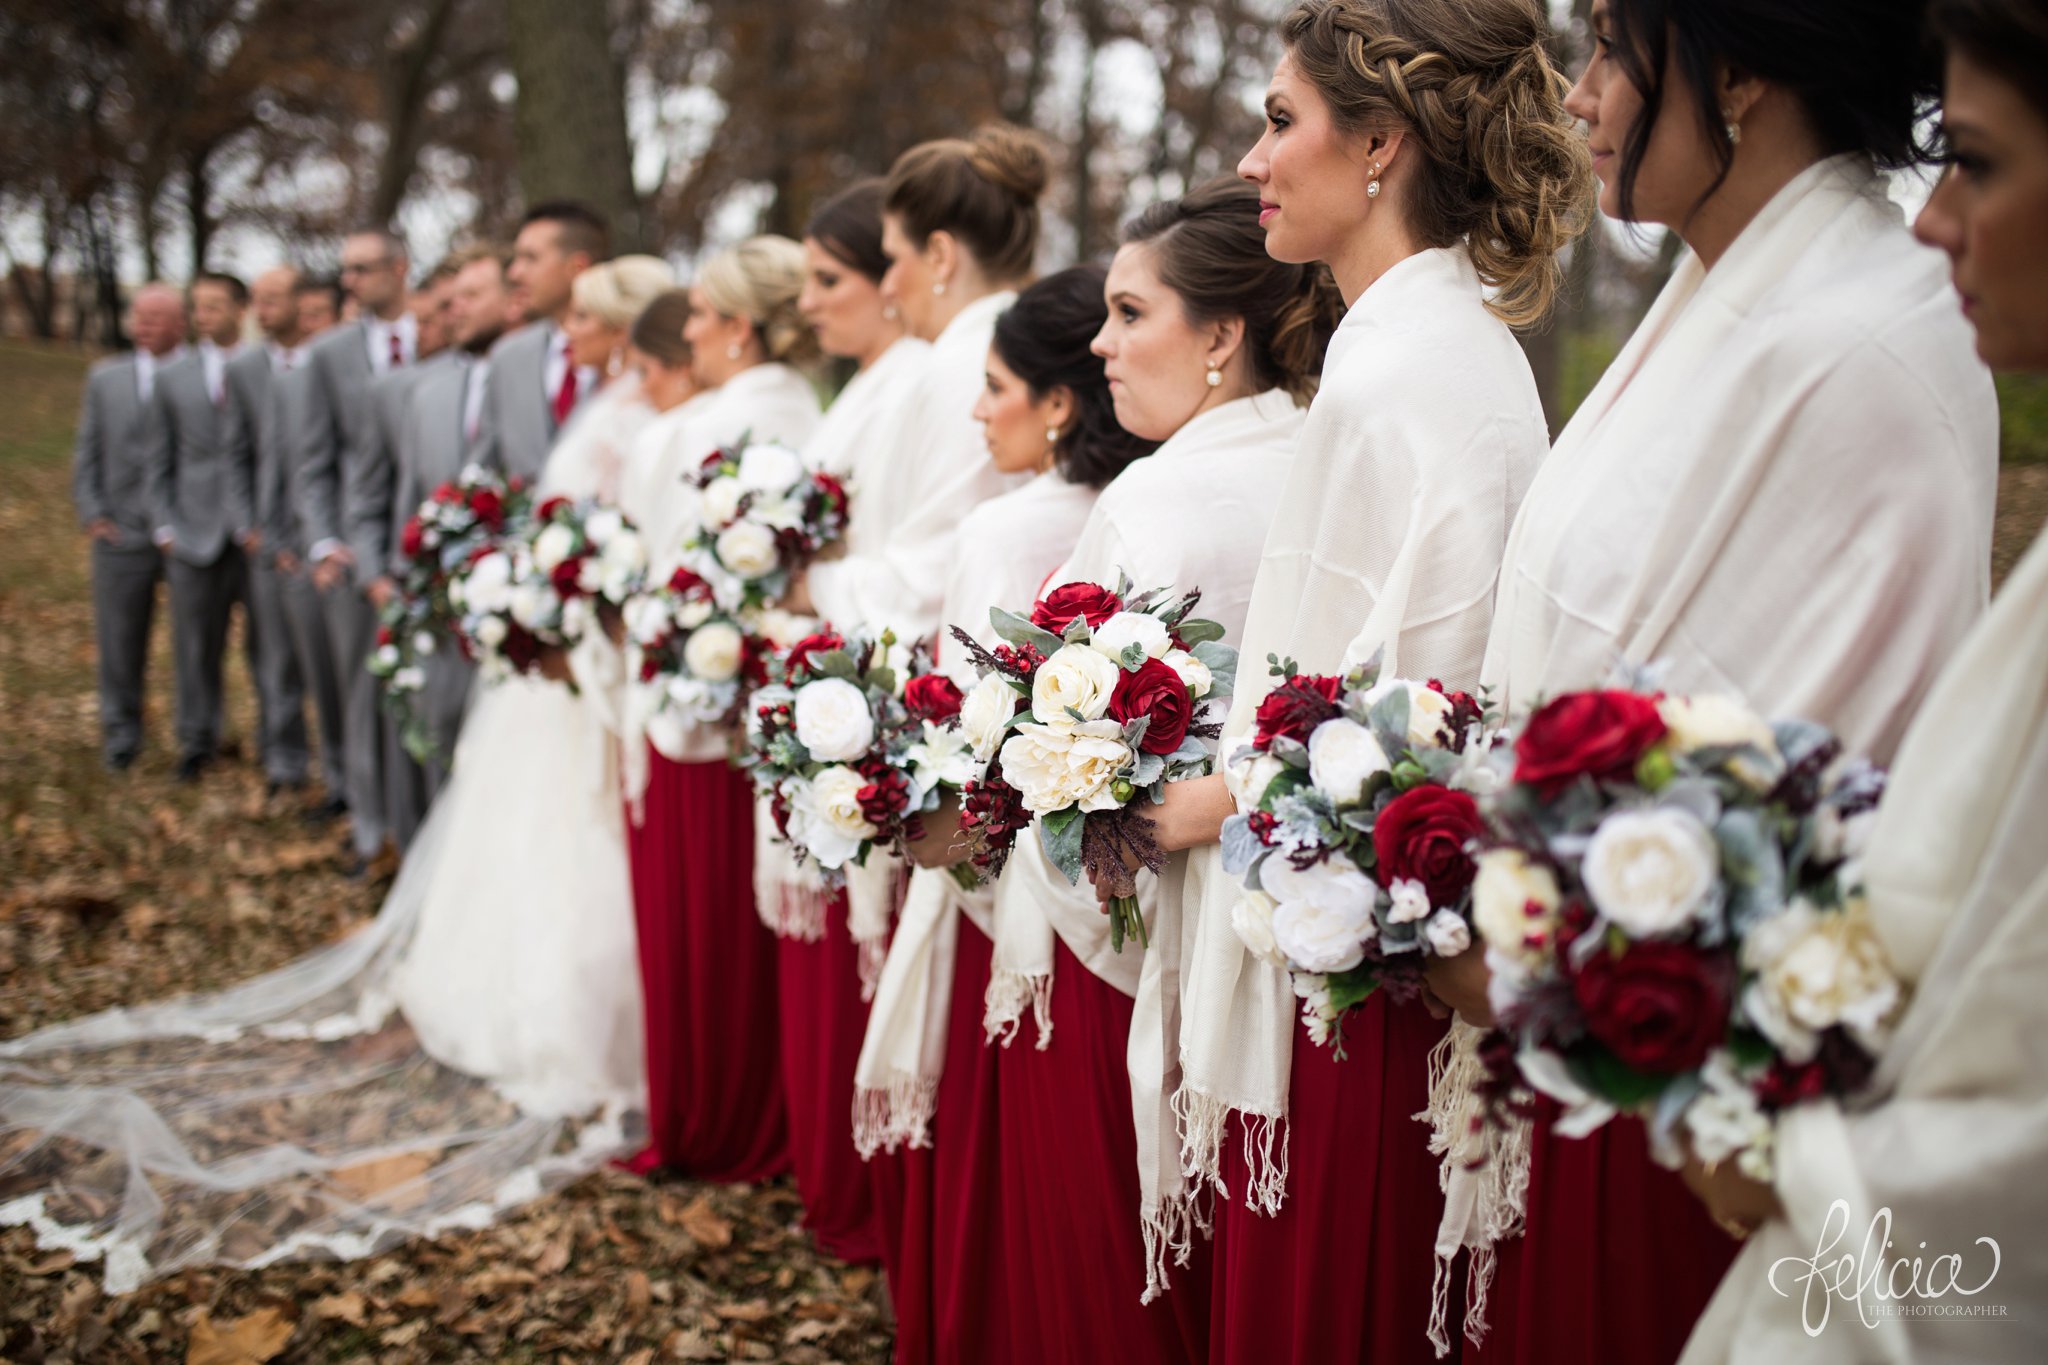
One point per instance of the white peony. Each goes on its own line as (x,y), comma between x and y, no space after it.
(698,700)
(784,628)
(1410,901)
(825,815)
(985,715)
(624,555)
(714,651)
(783,514)
(387,656)
(424,643)
(554,544)
(490,632)
(1447,933)
(1651,871)
(769,468)
(1076,678)
(748,549)
(1514,905)
(1192,671)
(833,720)
(1128,628)
(1429,711)
(603,524)
(488,586)
(1248,778)
(409,679)
(721,502)
(531,603)
(694,613)
(1816,970)
(1057,766)
(1324,912)
(1714,721)
(646,618)
(1342,757)
(1252,918)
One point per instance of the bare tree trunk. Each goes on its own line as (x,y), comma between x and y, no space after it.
(403,91)
(1093,28)
(198,190)
(571,114)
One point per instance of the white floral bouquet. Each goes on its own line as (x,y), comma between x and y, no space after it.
(542,583)
(1673,918)
(1121,692)
(696,658)
(1357,850)
(761,513)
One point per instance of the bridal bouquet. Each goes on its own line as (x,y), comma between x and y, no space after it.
(761,513)
(1673,917)
(833,741)
(1356,857)
(691,652)
(541,584)
(1117,687)
(458,522)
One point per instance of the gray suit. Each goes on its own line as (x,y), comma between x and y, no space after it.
(203,496)
(109,478)
(518,427)
(293,655)
(334,422)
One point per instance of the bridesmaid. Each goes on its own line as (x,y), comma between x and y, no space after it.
(1782,488)
(1421,149)
(1212,347)
(715,1100)
(819,977)
(1951,1137)
(1045,410)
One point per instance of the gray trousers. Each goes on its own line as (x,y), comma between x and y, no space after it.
(306,617)
(280,679)
(202,596)
(442,702)
(351,633)
(123,603)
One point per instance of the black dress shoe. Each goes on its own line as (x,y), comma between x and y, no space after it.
(190,766)
(333,808)
(121,761)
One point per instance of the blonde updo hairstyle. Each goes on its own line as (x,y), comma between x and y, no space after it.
(982,190)
(759,280)
(618,291)
(1501,165)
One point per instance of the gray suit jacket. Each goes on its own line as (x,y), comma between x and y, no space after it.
(196,487)
(109,474)
(432,447)
(259,428)
(369,477)
(518,426)
(331,423)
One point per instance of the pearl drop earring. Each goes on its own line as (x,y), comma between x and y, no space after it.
(1733,129)
(1372,186)
(1215,376)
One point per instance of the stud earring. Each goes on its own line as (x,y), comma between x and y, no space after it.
(1052,437)
(732,352)
(1733,128)
(938,286)
(1372,186)
(889,311)
(1215,376)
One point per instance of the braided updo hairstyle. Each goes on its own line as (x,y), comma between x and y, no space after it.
(1502,166)
(759,280)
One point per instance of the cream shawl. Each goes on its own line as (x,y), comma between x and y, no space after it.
(1782,489)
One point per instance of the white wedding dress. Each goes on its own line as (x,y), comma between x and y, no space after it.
(476,1045)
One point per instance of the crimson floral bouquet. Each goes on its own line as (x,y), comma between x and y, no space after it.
(540,585)
(761,513)
(1357,852)
(1673,918)
(1116,689)
(458,522)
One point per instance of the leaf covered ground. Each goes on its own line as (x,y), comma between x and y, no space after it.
(124,888)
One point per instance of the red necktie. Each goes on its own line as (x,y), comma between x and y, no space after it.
(397,350)
(565,397)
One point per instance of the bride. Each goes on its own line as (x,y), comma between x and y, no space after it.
(475,1045)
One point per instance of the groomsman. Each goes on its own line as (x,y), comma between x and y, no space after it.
(319,300)
(109,487)
(204,509)
(534,388)
(334,423)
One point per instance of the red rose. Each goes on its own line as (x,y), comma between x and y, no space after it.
(683,582)
(566,577)
(447,492)
(1787,1084)
(412,538)
(1421,836)
(833,491)
(383,636)
(1155,690)
(546,511)
(1591,734)
(1058,609)
(1659,1007)
(487,506)
(931,696)
(798,660)
(1296,707)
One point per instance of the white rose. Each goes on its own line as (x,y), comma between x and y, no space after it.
(826,818)
(589,574)
(833,720)
(698,700)
(490,632)
(1342,757)
(1447,933)
(785,514)
(1057,766)
(985,714)
(1075,678)
(769,468)
(531,604)
(554,544)
(1252,918)
(603,524)
(387,656)
(409,679)
(1192,671)
(424,643)
(1714,721)
(694,613)
(748,549)
(1514,905)
(1324,912)
(721,501)
(1411,901)
(784,628)
(1429,711)
(713,652)
(1128,628)
(1816,970)
(646,617)
(1248,778)
(1650,871)
(489,584)
(624,553)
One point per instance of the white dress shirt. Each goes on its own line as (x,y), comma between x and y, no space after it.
(214,360)
(558,364)
(475,382)
(377,334)
(146,366)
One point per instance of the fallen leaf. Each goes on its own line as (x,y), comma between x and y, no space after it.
(704,1225)
(806,1331)
(387,1180)
(245,1341)
(643,1356)
(55,1263)
(405,1334)
(753,1310)
(639,1292)
(348,1307)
